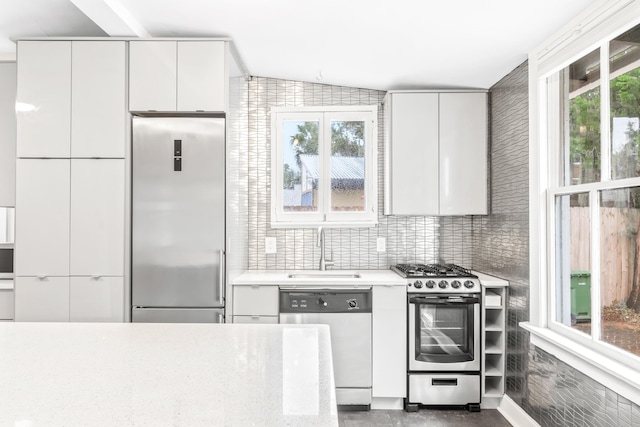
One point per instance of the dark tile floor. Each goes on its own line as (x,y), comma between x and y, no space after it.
(424,417)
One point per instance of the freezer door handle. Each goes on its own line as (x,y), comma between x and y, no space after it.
(221,268)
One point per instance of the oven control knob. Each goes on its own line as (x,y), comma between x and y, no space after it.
(469,284)
(418,284)
(456,284)
(322,302)
(443,284)
(430,284)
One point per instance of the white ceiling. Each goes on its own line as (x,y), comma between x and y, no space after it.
(375,44)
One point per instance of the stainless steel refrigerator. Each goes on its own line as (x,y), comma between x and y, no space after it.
(178,219)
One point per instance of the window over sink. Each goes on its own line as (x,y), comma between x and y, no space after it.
(324,166)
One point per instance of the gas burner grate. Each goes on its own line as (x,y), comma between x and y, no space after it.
(432,270)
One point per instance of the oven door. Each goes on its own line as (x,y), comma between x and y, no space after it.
(444,332)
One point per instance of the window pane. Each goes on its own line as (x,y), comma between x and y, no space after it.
(582,156)
(620,264)
(624,61)
(347,165)
(300,168)
(573,240)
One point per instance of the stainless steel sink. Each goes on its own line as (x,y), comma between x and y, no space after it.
(325,275)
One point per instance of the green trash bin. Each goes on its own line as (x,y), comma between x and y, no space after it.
(581,295)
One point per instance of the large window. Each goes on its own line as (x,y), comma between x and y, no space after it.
(594,199)
(323,166)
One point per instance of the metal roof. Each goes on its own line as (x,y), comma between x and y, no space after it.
(341,167)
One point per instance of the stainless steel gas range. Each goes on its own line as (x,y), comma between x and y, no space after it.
(443,335)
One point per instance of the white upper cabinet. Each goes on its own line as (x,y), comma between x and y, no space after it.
(71,99)
(97,217)
(152,75)
(42,217)
(413,162)
(436,153)
(177,76)
(463,153)
(98,99)
(43,100)
(201,76)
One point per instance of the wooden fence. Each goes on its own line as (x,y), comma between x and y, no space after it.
(618,228)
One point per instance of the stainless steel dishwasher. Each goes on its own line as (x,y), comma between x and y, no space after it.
(348,314)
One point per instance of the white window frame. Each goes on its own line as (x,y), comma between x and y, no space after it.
(592,29)
(324,216)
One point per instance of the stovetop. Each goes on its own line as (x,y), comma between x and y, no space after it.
(432,270)
(440,278)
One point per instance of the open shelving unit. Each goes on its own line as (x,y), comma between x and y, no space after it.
(493,345)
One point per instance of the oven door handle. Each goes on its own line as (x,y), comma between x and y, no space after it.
(445,301)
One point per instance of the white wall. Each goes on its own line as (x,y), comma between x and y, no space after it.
(7,133)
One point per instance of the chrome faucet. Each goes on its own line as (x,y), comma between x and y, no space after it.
(320,243)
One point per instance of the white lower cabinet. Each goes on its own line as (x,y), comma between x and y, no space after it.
(6,304)
(96,299)
(41,299)
(389,342)
(42,217)
(70,228)
(256,304)
(97,217)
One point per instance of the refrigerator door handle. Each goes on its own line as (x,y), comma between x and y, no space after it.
(221,268)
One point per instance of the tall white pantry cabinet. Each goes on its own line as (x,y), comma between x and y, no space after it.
(70,181)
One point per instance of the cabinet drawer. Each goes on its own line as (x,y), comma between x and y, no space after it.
(42,299)
(255,300)
(96,299)
(6,304)
(255,319)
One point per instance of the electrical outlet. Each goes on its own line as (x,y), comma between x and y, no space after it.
(270,245)
(381,244)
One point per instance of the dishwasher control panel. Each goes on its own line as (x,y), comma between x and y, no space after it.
(329,301)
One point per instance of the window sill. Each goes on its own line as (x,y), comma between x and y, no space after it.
(610,373)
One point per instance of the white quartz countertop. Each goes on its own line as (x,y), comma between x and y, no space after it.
(367,278)
(145,374)
(491,281)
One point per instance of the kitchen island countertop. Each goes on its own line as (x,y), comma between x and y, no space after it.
(146,374)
